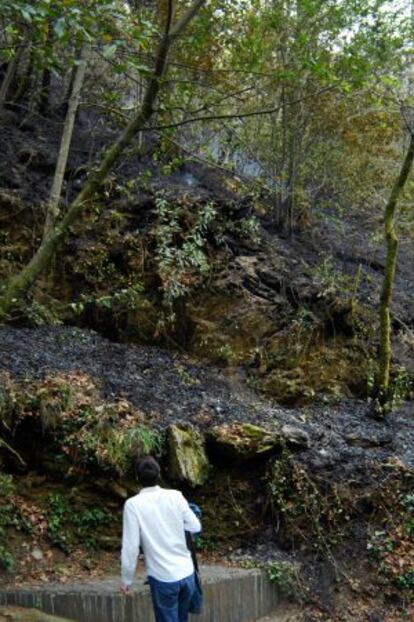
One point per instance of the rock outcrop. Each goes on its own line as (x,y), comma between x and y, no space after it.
(188,461)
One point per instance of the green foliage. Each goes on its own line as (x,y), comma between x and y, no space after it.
(6,485)
(34,21)
(126,298)
(144,179)
(408,502)
(121,448)
(58,511)
(88,523)
(94,20)
(331,278)
(67,525)
(40,315)
(7,518)
(285,575)
(392,545)
(310,512)
(249,228)
(206,543)
(401,388)
(322,56)
(12,515)
(371,376)
(85,431)
(6,559)
(181,256)
(91,519)
(405,581)
(185,377)
(109,448)
(225,353)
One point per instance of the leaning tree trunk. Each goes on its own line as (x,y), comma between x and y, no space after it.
(24,80)
(20,283)
(383,380)
(56,190)
(9,76)
(46,77)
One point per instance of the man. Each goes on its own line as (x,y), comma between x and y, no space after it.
(156,519)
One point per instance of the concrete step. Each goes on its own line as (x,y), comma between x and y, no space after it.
(231,595)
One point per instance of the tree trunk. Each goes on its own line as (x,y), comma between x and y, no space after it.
(20,283)
(52,213)
(383,380)
(46,73)
(24,81)
(9,76)
(45,86)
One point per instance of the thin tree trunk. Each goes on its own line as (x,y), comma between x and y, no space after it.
(9,76)
(20,283)
(24,80)
(46,81)
(291,184)
(45,86)
(52,213)
(383,381)
(70,86)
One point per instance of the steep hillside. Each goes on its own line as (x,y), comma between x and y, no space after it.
(181,256)
(180,314)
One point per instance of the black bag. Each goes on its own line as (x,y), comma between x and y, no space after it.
(196,603)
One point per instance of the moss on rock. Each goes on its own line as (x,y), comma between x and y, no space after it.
(188,460)
(243,441)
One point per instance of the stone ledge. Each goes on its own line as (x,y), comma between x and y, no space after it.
(231,595)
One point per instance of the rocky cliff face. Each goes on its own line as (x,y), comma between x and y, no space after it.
(299,312)
(182,321)
(275,483)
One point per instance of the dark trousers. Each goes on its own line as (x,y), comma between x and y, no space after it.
(171,600)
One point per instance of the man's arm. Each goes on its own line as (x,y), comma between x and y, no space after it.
(130,544)
(190,520)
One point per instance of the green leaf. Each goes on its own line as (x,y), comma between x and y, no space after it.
(120,68)
(109,51)
(59,27)
(26,13)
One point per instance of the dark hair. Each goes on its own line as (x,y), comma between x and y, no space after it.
(148,471)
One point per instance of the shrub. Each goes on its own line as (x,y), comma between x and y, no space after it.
(6,485)
(92,433)
(6,559)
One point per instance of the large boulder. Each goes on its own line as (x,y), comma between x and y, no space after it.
(188,459)
(242,441)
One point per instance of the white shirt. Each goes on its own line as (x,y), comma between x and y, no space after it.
(156,519)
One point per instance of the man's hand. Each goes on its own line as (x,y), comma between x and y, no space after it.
(124,589)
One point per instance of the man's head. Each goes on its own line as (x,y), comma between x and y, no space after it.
(148,471)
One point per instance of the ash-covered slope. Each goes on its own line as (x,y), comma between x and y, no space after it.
(343,440)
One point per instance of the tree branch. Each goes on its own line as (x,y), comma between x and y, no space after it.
(18,284)
(240,115)
(182,23)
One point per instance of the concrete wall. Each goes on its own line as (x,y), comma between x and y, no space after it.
(231,595)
